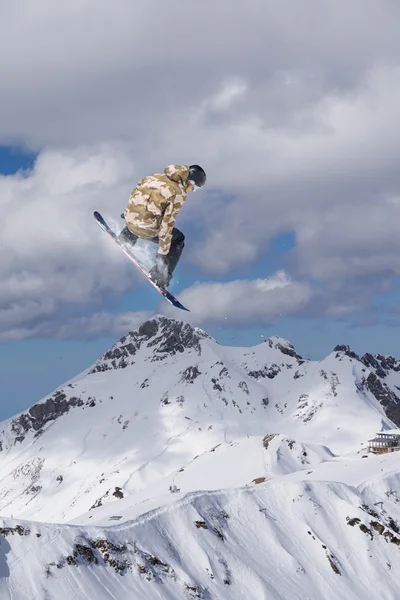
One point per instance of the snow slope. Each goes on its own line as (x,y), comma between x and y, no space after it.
(276,442)
(227,465)
(162,396)
(284,540)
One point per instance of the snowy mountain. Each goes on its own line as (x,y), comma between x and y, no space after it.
(266,455)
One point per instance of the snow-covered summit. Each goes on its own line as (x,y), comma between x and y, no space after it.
(168,392)
(168,411)
(382,364)
(158,337)
(283,345)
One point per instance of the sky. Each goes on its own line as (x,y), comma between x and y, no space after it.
(292,110)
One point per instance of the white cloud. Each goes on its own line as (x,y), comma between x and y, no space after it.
(227,95)
(294,122)
(329,184)
(96,325)
(94,70)
(103,324)
(244,302)
(54,259)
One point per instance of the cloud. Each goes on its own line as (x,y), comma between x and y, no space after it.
(244,302)
(294,120)
(94,326)
(55,261)
(335,186)
(96,70)
(102,324)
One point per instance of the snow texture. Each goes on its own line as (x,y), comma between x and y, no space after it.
(175,467)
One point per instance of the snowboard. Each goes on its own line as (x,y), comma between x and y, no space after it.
(167,295)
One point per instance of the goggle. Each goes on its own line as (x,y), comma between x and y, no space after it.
(191,186)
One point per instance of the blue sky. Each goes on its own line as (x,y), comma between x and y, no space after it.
(296,232)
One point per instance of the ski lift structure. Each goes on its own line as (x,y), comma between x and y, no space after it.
(174,488)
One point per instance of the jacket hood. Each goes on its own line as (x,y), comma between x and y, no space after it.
(177,173)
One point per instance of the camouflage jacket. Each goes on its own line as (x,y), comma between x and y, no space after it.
(154,204)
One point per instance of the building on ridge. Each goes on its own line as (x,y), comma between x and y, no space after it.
(385,441)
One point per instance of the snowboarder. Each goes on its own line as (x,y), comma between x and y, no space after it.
(151,212)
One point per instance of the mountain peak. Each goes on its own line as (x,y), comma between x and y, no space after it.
(170,335)
(382,364)
(160,335)
(115,432)
(283,345)
(346,350)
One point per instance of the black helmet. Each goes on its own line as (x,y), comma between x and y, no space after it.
(197,175)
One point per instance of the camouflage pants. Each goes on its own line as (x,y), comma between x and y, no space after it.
(174,254)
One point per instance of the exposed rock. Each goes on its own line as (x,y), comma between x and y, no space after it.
(86,552)
(269,371)
(152,567)
(165,399)
(267,439)
(333,562)
(216,386)
(244,387)
(176,337)
(34,489)
(149,329)
(165,336)
(99,501)
(194,591)
(94,552)
(347,351)
(284,346)
(118,357)
(190,374)
(289,351)
(385,396)
(40,414)
(118,493)
(27,476)
(258,480)
(6,531)
(378,527)
(381,364)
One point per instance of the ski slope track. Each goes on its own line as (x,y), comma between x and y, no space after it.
(275,494)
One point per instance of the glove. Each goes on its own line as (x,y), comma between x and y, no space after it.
(160,273)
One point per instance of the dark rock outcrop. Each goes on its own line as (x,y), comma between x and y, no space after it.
(190,374)
(40,414)
(381,364)
(164,336)
(269,371)
(347,351)
(387,398)
(285,347)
